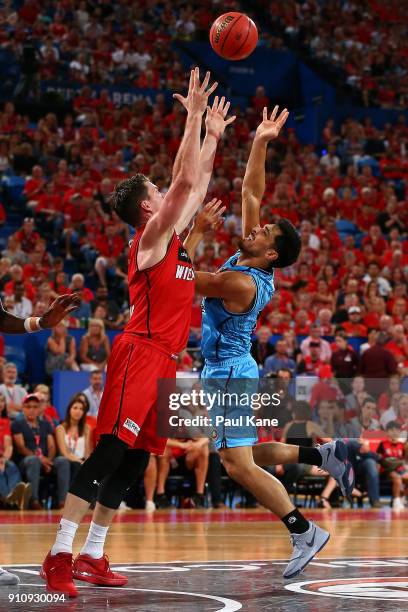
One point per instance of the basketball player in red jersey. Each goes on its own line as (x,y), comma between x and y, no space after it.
(161,288)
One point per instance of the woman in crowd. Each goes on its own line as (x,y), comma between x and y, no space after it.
(61,350)
(385,400)
(94,349)
(73,435)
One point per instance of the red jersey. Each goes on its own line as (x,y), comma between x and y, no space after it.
(391,449)
(161,297)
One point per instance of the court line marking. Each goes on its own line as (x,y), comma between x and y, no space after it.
(230,605)
(297,588)
(215,561)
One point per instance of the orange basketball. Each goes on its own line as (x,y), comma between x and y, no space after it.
(233,36)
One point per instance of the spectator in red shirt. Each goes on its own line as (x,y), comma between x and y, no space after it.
(354,326)
(260,99)
(35,185)
(396,449)
(311,363)
(26,236)
(78,285)
(327,388)
(398,345)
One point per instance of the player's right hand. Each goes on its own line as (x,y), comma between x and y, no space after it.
(196,100)
(270,128)
(210,217)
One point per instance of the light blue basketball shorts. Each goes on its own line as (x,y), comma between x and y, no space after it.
(230,383)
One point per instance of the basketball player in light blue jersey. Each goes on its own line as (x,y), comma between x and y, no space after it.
(234,297)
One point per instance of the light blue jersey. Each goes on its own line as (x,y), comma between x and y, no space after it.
(229,366)
(226,334)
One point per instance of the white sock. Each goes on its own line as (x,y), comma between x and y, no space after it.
(65,536)
(95,541)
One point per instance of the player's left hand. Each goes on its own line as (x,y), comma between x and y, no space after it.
(198,93)
(270,128)
(59,309)
(210,217)
(216,118)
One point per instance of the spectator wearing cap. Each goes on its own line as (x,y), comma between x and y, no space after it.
(35,451)
(280,360)
(324,346)
(13,392)
(376,365)
(354,326)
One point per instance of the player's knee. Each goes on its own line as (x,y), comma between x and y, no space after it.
(114,487)
(104,460)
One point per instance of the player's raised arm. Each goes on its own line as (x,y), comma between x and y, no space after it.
(162,223)
(253,187)
(215,123)
(59,309)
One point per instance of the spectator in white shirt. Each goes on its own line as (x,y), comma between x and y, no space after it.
(325,350)
(23,307)
(373,274)
(94,392)
(13,393)
(309,240)
(79,65)
(330,159)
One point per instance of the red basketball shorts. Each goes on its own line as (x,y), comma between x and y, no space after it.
(128,407)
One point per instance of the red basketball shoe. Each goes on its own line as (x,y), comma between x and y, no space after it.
(96,571)
(57,572)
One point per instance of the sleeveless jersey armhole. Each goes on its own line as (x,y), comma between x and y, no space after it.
(254,301)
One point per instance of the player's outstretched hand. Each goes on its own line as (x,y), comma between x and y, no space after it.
(198,93)
(210,217)
(59,309)
(216,118)
(270,128)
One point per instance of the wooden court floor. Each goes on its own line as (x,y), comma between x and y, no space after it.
(225,559)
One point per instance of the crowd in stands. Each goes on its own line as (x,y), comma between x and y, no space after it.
(102,42)
(363,44)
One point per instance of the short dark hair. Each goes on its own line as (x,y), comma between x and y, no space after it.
(392,425)
(368,400)
(287,244)
(126,198)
